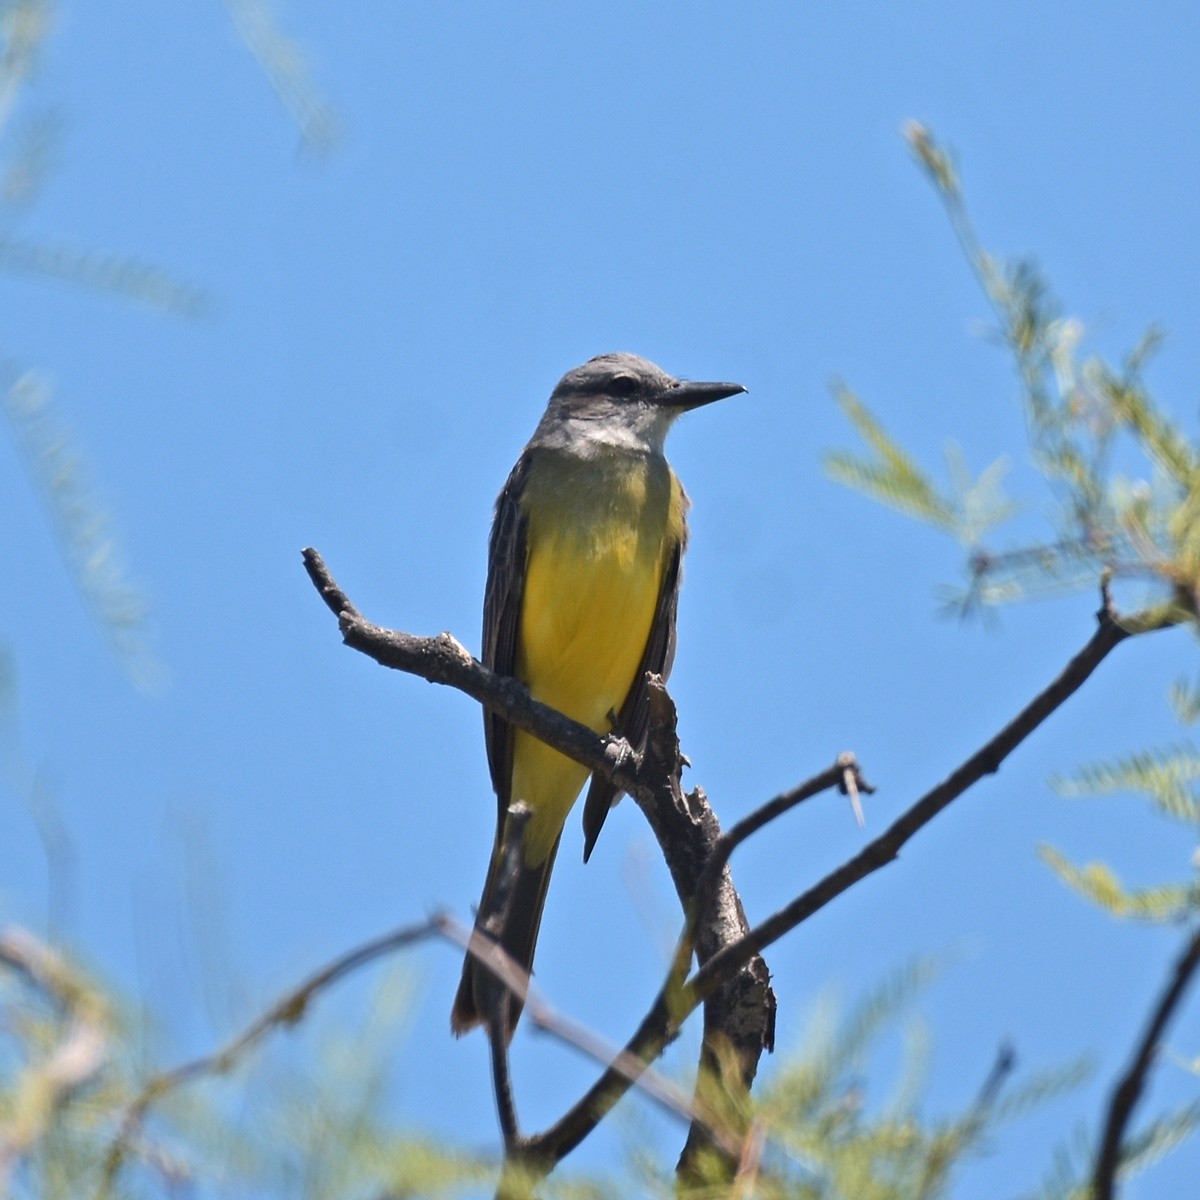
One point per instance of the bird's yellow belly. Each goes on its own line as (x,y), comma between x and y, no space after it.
(589,602)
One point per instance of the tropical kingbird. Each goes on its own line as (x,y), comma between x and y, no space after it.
(582,590)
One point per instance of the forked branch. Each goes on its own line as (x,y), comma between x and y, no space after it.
(700,868)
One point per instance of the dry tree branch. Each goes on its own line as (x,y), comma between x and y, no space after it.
(739,1015)
(1126,1094)
(292,1006)
(1111,632)
(844,774)
(678,998)
(498,996)
(696,851)
(545,1019)
(443,659)
(289,1009)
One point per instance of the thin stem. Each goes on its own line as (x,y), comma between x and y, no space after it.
(1111,632)
(1127,1093)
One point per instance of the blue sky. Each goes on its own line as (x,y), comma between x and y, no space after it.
(724,190)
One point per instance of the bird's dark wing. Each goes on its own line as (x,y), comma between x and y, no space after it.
(502,620)
(632,720)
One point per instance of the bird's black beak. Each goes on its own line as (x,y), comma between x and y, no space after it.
(686,394)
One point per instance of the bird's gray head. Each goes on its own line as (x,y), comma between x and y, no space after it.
(621,401)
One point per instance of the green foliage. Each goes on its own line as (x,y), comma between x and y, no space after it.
(59,1072)
(891,476)
(123,276)
(83,529)
(1124,479)
(1097,882)
(819,1136)
(286,67)
(894,478)
(1169,780)
(1185,701)
(306,1121)
(1083,418)
(310,1122)
(311,1130)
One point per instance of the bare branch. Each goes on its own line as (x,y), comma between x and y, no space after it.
(673,1003)
(696,852)
(739,1018)
(650,1039)
(1127,1093)
(1111,632)
(506,1105)
(746,1179)
(442,659)
(845,774)
(43,968)
(287,1010)
(677,998)
(546,1019)
(22,952)
(1002,1068)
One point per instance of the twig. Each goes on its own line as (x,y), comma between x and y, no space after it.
(1002,1068)
(654,784)
(673,1003)
(676,1000)
(844,774)
(1111,632)
(42,967)
(664,1091)
(1127,1093)
(287,1010)
(442,659)
(506,1105)
(746,1179)
(45,970)
(546,1019)
(739,1018)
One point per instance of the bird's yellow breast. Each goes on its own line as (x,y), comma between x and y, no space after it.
(599,535)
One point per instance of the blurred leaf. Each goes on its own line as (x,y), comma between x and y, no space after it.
(1167,777)
(892,477)
(126,277)
(1102,525)
(24,25)
(1159,1138)
(285,65)
(83,528)
(1168,903)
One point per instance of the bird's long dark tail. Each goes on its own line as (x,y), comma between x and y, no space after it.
(518,939)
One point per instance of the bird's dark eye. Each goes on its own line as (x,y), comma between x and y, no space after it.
(624,385)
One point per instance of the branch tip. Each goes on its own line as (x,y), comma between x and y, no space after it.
(1129,1090)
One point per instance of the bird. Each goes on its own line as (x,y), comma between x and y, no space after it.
(582,591)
